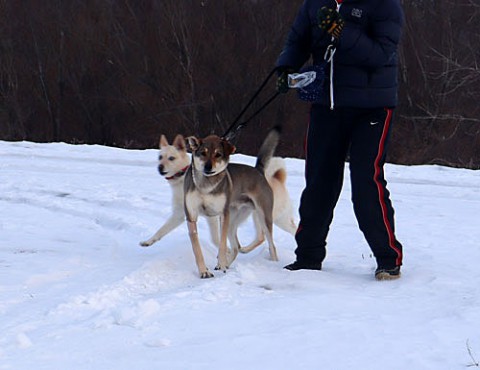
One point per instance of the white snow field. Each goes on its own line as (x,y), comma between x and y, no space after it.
(78,292)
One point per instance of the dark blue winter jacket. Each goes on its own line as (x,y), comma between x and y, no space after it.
(365,64)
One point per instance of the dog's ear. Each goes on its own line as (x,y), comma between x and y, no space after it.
(228,147)
(163,141)
(179,143)
(193,143)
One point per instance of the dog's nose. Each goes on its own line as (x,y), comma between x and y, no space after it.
(161,170)
(208,168)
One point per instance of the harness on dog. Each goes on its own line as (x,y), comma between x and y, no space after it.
(178,174)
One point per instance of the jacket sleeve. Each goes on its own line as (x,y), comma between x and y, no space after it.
(379,46)
(296,50)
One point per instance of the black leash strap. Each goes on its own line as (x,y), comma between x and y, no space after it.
(232,130)
(235,126)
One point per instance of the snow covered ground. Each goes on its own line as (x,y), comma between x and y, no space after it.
(78,292)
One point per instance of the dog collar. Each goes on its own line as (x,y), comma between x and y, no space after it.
(178,174)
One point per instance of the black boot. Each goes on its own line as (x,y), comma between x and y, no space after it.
(387,274)
(304,266)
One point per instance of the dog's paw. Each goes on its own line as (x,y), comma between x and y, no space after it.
(221,268)
(146,243)
(206,275)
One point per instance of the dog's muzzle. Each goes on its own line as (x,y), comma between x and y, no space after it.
(161,170)
(208,169)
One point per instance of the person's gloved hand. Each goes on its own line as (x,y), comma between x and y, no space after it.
(330,21)
(282,79)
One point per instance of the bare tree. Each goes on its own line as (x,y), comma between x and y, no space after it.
(123,72)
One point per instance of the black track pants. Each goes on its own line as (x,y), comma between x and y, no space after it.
(332,134)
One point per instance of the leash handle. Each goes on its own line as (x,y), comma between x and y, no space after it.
(230,133)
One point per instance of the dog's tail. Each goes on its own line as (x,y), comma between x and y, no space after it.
(276,169)
(268,148)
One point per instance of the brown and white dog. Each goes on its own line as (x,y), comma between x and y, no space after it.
(173,164)
(215,187)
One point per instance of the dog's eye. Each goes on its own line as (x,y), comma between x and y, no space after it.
(171,158)
(218,155)
(160,157)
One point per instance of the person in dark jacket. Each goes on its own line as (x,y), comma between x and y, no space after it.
(351,118)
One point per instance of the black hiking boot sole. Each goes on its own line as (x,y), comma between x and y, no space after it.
(304,266)
(387,274)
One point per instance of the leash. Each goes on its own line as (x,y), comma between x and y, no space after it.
(236,126)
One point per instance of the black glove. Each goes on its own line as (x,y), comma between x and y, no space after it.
(282,79)
(330,21)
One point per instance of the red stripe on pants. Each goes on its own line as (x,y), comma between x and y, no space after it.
(381,194)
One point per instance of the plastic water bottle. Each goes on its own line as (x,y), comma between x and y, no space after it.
(299,80)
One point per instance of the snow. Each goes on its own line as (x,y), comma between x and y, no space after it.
(78,292)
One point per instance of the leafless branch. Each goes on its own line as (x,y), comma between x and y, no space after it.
(470,353)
